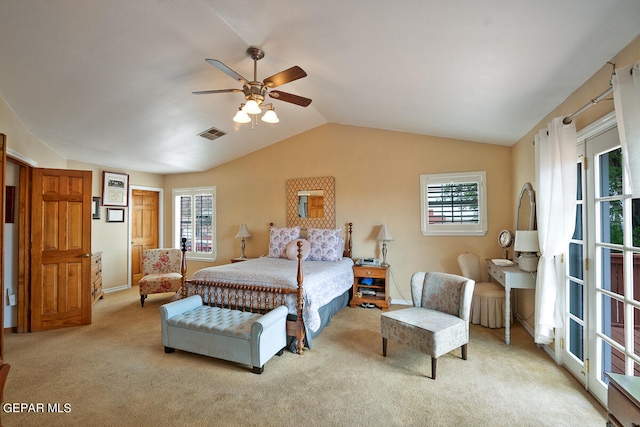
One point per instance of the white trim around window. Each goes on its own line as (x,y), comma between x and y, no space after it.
(454,204)
(194,217)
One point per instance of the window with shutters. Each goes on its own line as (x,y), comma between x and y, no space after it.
(453,203)
(195,220)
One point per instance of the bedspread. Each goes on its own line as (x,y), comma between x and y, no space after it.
(322,281)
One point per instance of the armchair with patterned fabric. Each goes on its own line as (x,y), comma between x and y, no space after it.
(161,272)
(438,322)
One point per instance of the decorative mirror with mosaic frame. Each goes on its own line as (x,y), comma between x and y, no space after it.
(311,202)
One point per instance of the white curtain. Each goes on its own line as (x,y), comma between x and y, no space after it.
(626,98)
(556,159)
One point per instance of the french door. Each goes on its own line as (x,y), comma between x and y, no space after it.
(602,272)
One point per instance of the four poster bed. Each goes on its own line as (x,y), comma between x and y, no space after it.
(312,276)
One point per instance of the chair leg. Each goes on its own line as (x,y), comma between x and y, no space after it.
(434,362)
(384,347)
(142,297)
(464,352)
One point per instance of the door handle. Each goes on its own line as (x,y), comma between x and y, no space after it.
(85,255)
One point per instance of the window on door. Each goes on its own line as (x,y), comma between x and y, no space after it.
(195,220)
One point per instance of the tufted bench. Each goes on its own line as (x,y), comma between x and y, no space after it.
(234,335)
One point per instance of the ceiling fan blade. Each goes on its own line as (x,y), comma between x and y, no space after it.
(286,76)
(228,71)
(206,92)
(289,97)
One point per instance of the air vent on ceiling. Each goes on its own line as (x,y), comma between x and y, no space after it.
(212,134)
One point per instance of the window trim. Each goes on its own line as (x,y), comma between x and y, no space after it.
(176,192)
(479,229)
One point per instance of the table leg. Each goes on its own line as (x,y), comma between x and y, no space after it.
(507,328)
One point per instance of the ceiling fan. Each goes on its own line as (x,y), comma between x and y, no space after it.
(255,91)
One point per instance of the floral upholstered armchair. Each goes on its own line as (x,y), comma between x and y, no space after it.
(161,272)
(438,322)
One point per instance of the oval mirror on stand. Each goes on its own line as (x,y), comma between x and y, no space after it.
(525,248)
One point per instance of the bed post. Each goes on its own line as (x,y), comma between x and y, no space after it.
(183,268)
(349,241)
(299,322)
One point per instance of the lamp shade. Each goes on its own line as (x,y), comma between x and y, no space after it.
(251,107)
(243,231)
(241,117)
(384,234)
(526,241)
(270,116)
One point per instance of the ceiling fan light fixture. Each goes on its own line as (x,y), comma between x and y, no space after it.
(241,117)
(251,107)
(270,116)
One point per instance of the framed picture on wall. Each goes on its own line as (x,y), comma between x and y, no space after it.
(10,202)
(115,189)
(95,208)
(115,215)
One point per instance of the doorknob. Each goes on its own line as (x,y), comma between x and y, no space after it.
(85,255)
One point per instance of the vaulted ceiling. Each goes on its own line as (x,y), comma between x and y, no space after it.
(110,81)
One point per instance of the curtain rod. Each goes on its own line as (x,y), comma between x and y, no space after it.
(593,102)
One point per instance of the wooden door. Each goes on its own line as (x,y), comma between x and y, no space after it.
(316,207)
(3,168)
(61,249)
(144,228)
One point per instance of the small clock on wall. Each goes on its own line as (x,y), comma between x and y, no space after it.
(505,240)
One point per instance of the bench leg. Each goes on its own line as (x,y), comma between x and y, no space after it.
(384,347)
(169,350)
(434,362)
(257,370)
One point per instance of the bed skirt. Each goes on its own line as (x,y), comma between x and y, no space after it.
(326,312)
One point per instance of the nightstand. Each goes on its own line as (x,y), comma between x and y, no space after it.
(376,293)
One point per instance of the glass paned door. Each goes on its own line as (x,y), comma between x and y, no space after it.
(613,227)
(575,329)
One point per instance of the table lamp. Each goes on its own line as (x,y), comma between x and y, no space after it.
(526,242)
(384,236)
(243,232)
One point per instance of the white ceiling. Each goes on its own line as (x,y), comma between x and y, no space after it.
(110,81)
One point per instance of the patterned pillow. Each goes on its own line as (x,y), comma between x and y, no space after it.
(291,251)
(279,238)
(325,244)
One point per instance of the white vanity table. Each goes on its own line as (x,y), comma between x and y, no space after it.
(511,277)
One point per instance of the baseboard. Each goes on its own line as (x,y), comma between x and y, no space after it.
(117,288)
(401,302)
(11,330)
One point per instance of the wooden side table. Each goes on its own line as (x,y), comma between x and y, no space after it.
(377,293)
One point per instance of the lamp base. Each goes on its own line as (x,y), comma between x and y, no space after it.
(528,262)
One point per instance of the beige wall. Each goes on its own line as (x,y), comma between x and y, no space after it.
(109,238)
(524,151)
(377,181)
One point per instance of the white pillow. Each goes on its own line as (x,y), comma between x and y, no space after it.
(291,251)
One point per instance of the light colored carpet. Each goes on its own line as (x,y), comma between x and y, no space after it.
(115,372)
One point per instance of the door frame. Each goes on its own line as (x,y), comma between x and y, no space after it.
(160,227)
(586,377)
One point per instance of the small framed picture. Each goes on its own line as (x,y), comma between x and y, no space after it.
(115,189)
(95,208)
(115,215)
